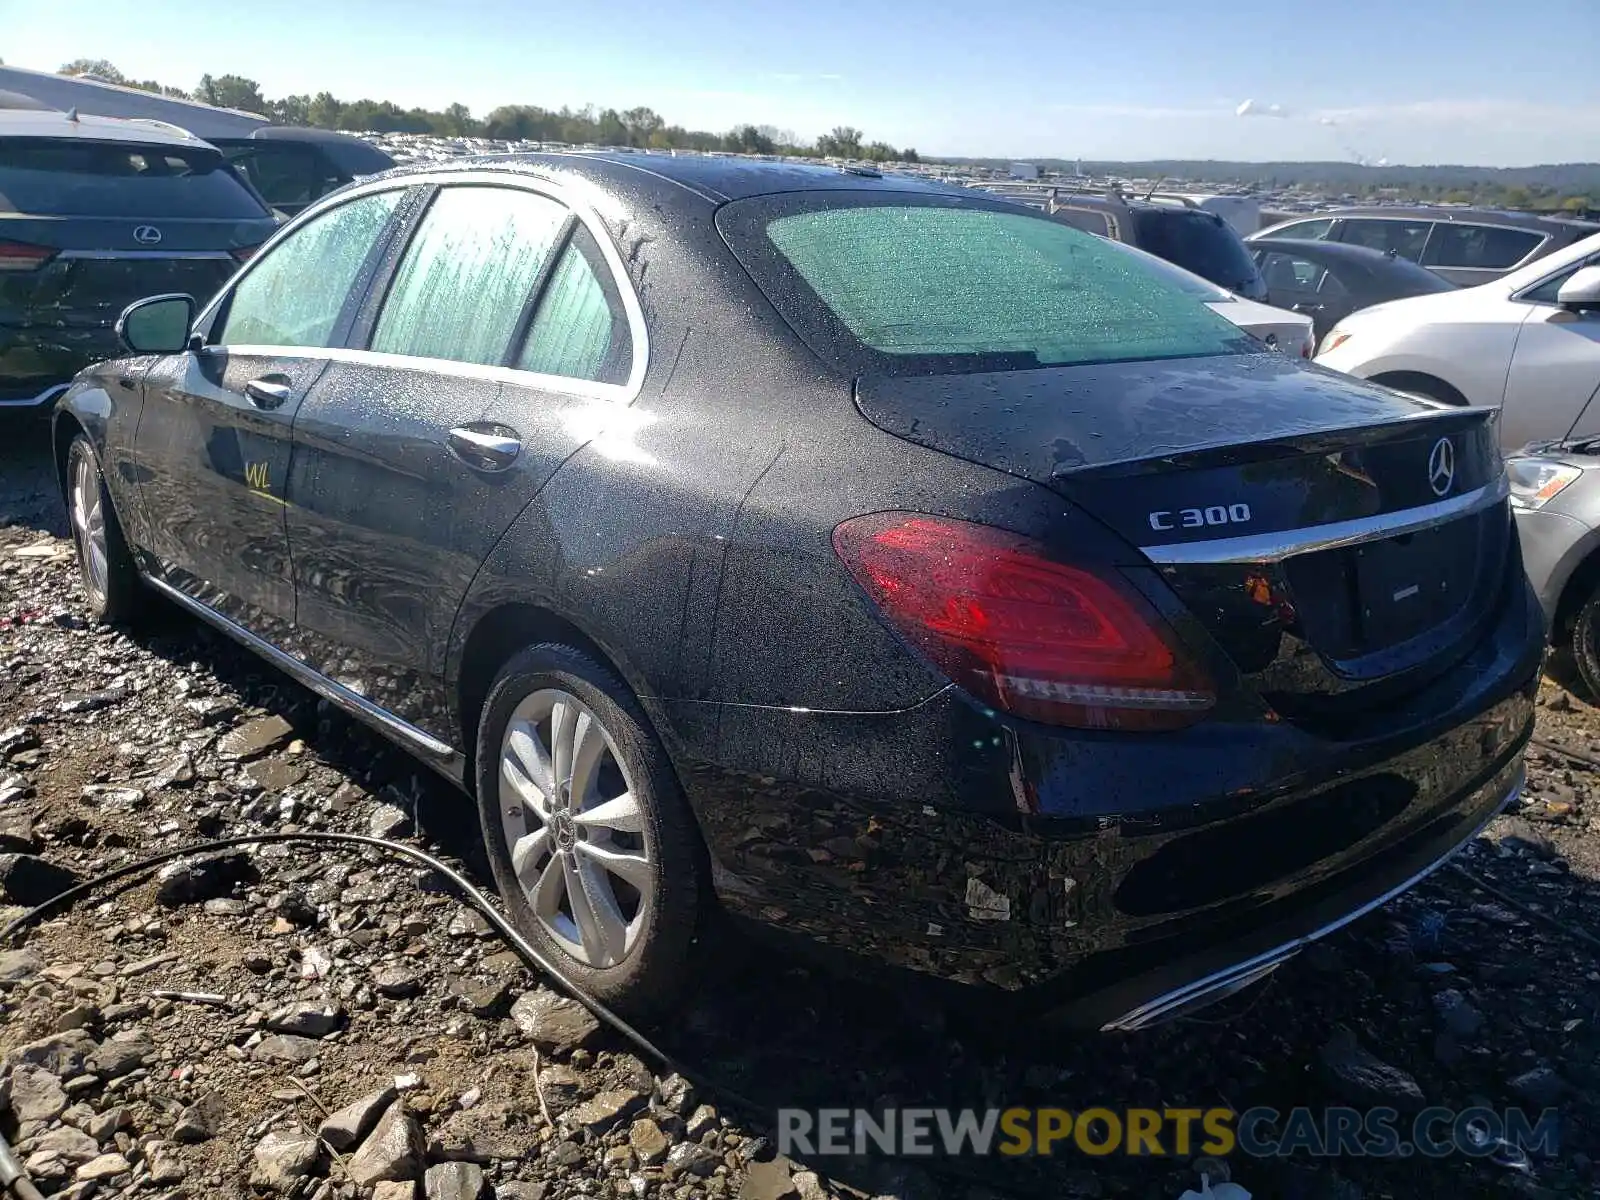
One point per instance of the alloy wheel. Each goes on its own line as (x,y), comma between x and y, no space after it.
(89,523)
(575,828)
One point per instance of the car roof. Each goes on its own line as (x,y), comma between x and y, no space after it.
(46,123)
(710,177)
(1426,212)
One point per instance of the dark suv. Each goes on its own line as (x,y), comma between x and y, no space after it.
(1169,227)
(96,212)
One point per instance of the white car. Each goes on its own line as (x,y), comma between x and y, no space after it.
(1279,328)
(1529,342)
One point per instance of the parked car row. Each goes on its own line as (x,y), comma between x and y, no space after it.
(915,577)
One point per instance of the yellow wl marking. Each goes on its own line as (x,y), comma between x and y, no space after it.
(258,476)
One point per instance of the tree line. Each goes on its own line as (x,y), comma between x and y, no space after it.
(641,127)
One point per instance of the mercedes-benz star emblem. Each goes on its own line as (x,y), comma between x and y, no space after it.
(147,235)
(1442,467)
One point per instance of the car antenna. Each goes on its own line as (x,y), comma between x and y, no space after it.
(1154,186)
(72,114)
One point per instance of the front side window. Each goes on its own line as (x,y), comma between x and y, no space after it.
(1305,231)
(579,329)
(293,294)
(1548,291)
(902,286)
(468,274)
(1286,273)
(1492,247)
(1405,238)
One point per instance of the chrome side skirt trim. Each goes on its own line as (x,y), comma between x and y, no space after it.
(1220,984)
(39,401)
(336,693)
(1270,547)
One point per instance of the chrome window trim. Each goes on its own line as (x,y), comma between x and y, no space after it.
(1272,547)
(205,255)
(621,393)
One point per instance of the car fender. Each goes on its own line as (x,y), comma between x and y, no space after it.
(108,412)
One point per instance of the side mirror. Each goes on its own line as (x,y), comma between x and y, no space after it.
(1582,291)
(157,324)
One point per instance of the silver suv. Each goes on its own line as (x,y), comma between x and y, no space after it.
(1467,246)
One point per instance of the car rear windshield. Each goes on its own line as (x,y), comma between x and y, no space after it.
(1197,241)
(909,285)
(74,178)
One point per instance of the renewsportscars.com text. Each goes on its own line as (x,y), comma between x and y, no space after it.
(1258,1132)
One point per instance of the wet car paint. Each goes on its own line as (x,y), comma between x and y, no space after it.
(845,789)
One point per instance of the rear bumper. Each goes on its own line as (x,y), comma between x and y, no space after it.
(37,363)
(1221,971)
(1110,879)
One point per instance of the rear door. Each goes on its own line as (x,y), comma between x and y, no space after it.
(88,227)
(214,439)
(501,343)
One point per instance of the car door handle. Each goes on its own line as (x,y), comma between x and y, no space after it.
(492,449)
(268,392)
(1305,306)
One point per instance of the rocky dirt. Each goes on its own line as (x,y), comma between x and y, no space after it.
(284,1021)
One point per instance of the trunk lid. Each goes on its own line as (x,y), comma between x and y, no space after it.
(1341,544)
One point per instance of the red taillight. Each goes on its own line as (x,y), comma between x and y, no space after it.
(243,253)
(19,256)
(1030,635)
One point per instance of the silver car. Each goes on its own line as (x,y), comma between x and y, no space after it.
(1555,496)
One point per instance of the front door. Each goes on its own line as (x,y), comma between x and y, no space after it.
(214,438)
(500,343)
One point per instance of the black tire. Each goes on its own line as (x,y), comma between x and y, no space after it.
(1583,644)
(120,598)
(651,977)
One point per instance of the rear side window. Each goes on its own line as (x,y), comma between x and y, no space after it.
(1087,219)
(1405,238)
(1492,247)
(901,285)
(1200,242)
(471,269)
(579,329)
(117,179)
(1306,231)
(294,294)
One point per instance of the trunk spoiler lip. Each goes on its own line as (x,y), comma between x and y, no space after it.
(1321,441)
(1273,547)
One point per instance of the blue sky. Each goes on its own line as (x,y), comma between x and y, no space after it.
(1407,80)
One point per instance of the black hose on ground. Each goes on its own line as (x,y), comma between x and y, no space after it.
(18,1184)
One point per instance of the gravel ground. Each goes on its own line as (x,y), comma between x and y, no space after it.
(351,1029)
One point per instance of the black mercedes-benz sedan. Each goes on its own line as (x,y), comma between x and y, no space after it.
(888,565)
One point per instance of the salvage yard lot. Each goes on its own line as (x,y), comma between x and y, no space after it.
(324,976)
